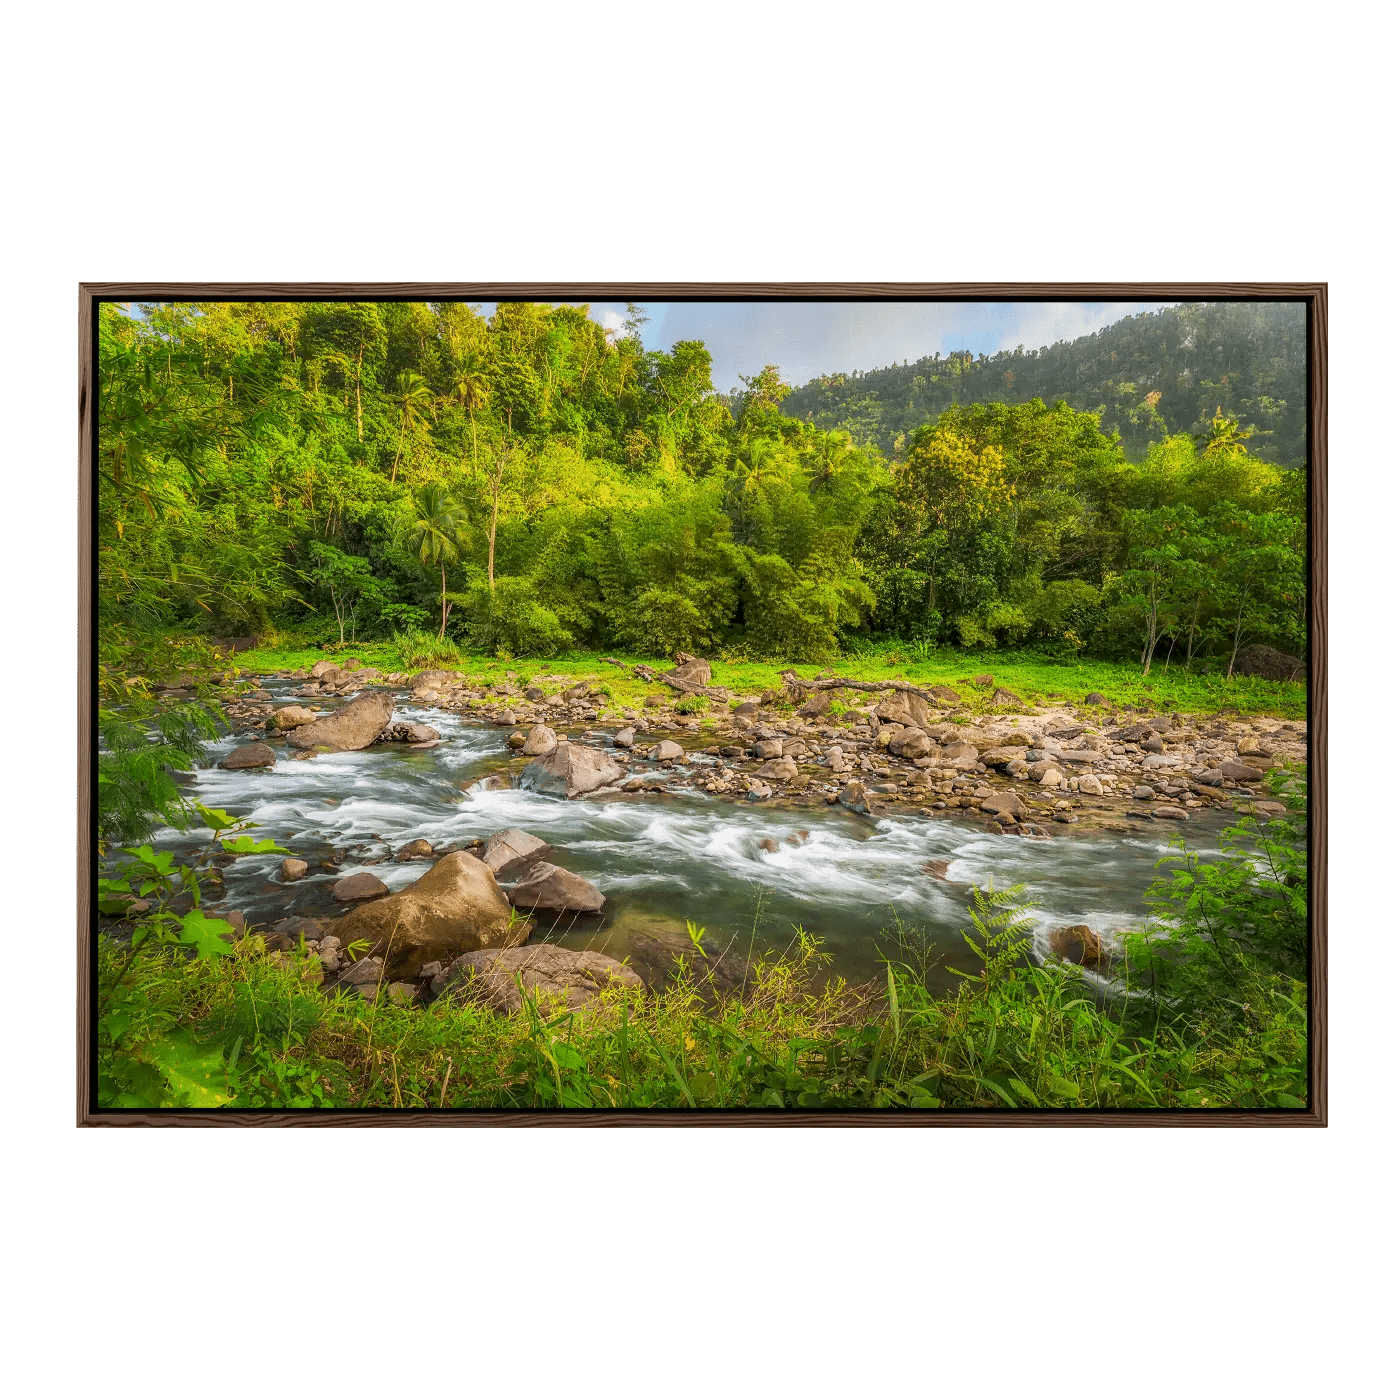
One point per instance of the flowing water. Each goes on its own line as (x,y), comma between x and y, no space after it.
(664,858)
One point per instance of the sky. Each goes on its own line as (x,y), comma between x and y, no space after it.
(805,339)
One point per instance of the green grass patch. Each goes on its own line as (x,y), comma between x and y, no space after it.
(1034,678)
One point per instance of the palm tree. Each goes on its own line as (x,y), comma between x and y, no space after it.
(474,391)
(437,535)
(415,400)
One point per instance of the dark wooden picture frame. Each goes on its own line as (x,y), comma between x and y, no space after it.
(1312,295)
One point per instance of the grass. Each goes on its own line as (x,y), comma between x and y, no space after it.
(1033,677)
(246,1031)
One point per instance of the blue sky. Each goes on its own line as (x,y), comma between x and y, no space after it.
(805,339)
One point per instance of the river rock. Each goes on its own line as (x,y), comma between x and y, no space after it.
(767,748)
(960,754)
(353,726)
(1078,944)
(1238,772)
(549,975)
(1157,762)
(1051,777)
(1170,814)
(252,756)
(1090,783)
(321,667)
(433,680)
(409,734)
(816,705)
(836,759)
(666,749)
(854,797)
(1002,696)
(903,707)
(290,717)
(516,740)
(402,993)
(365,970)
(758,791)
(548,886)
(414,850)
(911,744)
(456,907)
(570,770)
(689,675)
(512,852)
(1268,662)
(292,869)
(625,737)
(1005,802)
(1000,757)
(540,740)
(1095,698)
(780,770)
(356,887)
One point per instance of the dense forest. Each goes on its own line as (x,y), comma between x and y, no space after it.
(1146,377)
(531,483)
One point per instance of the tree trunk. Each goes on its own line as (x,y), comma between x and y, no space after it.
(359,410)
(491,543)
(1151,634)
(442,630)
(1191,635)
(1235,644)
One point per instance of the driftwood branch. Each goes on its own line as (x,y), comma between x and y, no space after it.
(840,683)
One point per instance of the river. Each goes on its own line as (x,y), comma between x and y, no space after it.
(663,858)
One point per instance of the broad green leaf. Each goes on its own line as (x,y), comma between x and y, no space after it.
(246,846)
(205,935)
(116,1021)
(195,1073)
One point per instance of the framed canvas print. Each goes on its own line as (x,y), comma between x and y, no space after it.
(898,705)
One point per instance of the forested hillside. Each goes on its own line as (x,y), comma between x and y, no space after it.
(1147,376)
(531,483)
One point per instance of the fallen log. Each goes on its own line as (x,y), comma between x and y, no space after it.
(840,683)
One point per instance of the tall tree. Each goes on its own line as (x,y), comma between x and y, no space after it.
(436,535)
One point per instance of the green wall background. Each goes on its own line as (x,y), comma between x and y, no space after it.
(728,142)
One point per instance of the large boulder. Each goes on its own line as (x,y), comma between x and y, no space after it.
(511,852)
(550,975)
(1003,697)
(321,667)
(689,675)
(540,740)
(570,770)
(767,748)
(456,907)
(549,886)
(666,749)
(1268,662)
(816,705)
(353,726)
(903,707)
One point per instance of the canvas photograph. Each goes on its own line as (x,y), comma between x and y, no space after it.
(757,706)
